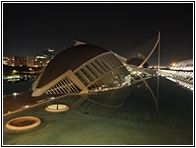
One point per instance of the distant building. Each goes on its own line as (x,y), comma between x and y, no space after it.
(37,61)
(49,54)
(30,61)
(40,61)
(6,60)
(15,61)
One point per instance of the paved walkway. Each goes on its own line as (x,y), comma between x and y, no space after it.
(23,101)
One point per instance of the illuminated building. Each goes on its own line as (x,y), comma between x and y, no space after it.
(37,61)
(181,74)
(15,61)
(49,54)
(6,60)
(82,69)
(40,61)
(30,61)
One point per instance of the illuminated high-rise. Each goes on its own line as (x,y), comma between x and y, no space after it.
(49,54)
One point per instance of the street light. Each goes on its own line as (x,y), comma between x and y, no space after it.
(14,71)
(173,64)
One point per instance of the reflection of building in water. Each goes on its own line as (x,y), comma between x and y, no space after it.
(82,69)
(92,80)
(138,85)
(96,104)
(49,54)
(181,74)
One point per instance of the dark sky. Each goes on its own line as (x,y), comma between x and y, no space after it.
(31,28)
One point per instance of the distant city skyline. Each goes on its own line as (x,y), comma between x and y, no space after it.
(30,28)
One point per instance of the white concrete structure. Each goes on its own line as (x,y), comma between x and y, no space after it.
(82,69)
(182,74)
(23,123)
(57,108)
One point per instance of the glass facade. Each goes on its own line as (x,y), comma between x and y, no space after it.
(103,73)
(113,80)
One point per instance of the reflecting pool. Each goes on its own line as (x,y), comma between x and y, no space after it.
(130,116)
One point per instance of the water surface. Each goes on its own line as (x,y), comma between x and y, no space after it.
(134,121)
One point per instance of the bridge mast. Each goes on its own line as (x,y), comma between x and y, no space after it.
(159,52)
(158,68)
(157,42)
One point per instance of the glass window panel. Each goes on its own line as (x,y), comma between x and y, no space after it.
(106,61)
(90,72)
(97,67)
(101,65)
(111,57)
(94,69)
(82,79)
(110,61)
(87,75)
(94,73)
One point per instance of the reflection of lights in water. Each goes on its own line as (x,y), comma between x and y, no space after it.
(182,76)
(40,101)
(186,85)
(171,79)
(138,85)
(182,83)
(126,82)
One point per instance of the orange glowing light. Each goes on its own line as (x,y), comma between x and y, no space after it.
(173,64)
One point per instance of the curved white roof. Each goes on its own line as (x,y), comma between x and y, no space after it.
(185,63)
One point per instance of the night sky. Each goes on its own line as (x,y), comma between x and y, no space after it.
(31,28)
